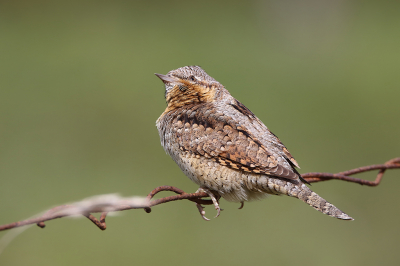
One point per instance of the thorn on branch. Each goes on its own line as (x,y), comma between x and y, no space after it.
(100,224)
(41,224)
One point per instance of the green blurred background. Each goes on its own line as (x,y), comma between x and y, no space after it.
(79,101)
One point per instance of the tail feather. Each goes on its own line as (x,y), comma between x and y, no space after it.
(320,204)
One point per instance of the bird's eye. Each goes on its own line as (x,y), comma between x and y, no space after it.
(192,78)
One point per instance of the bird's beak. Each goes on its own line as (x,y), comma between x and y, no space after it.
(165,78)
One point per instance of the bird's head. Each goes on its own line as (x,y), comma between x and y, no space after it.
(188,85)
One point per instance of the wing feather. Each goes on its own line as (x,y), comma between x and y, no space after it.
(203,130)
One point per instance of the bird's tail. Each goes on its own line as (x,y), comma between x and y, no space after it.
(318,203)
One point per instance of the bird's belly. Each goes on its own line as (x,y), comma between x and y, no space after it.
(232,185)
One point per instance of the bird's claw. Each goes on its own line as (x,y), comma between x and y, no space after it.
(218,211)
(214,200)
(202,212)
(241,205)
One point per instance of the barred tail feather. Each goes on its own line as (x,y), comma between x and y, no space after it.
(318,203)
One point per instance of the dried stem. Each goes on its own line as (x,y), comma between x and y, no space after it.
(345,176)
(60,211)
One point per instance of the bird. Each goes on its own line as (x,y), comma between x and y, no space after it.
(224,148)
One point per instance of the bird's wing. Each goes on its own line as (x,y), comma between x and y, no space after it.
(244,111)
(203,131)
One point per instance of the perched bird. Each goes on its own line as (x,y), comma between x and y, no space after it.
(224,148)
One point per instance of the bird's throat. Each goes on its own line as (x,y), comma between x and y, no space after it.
(188,94)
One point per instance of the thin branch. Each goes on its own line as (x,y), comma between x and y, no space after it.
(104,209)
(345,176)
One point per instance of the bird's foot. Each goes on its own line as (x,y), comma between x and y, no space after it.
(241,205)
(214,199)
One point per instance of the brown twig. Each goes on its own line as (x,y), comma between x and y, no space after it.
(54,213)
(345,176)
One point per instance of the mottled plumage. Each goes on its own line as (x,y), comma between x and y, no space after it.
(223,147)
